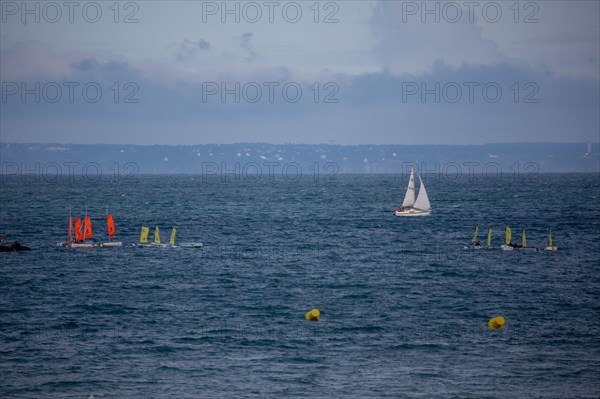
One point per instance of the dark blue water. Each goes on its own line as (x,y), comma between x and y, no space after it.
(404,308)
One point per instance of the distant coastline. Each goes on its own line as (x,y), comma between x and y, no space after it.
(274,159)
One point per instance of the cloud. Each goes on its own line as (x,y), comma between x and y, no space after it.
(245,42)
(187,49)
(88,64)
(563,37)
(371,108)
(407,45)
(32,58)
(37,61)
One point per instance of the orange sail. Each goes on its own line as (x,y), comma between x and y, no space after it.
(70,228)
(78,233)
(88,228)
(111,226)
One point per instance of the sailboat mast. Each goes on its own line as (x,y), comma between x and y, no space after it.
(107,227)
(409,197)
(70,223)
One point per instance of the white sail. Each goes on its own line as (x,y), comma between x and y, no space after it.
(422,202)
(409,198)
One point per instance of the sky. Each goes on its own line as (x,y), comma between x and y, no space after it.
(339,72)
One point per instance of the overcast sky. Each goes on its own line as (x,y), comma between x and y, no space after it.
(344,72)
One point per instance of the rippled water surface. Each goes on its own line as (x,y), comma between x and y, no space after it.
(404,308)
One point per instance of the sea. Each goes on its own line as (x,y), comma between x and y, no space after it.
(404,307)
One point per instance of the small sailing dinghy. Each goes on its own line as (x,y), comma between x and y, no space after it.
(474,240)
(157,238)
(69,233)
(87,233)
(172,239)
(80,236)
(411,206)
(550,247)
(477,244)
(144,238)
(156,242)
(523,244)
(110,225)
(508,245)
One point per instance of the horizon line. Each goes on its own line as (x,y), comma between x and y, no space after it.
(293,143)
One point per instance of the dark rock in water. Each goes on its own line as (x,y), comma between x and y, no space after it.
(15,246)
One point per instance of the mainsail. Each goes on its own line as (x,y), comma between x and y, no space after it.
(422,202)
(144,234)
(411,206)
(70,228)
(88,228)
(524,240)
(409,198)
(78,232)
(172,240)
(156,235)
(489,242)
(475,236)
(111,226)
(549,237)
(508,235)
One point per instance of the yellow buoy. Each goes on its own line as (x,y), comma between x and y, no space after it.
(496,323)
(313,315)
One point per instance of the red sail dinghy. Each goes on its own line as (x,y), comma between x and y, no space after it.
(82,233)
(110,222)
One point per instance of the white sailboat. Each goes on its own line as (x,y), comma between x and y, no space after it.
(411,206)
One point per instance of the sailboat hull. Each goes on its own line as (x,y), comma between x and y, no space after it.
(411,206)
(82,245)
(478,247)
(411,212)
(191,245)
(152,245)
(182,245)
(551,248)
(76,244)
(110,244)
